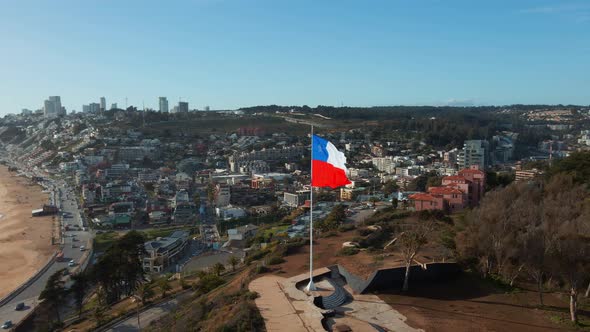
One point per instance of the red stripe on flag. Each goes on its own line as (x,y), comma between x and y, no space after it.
(326,175)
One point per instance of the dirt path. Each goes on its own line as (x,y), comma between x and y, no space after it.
(466,304)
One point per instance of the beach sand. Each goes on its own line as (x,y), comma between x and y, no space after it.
(25,242)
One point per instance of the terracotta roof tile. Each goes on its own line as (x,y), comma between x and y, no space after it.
(472,171)
(423,197)
(447,190)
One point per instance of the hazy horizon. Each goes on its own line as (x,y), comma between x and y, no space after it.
(228,54)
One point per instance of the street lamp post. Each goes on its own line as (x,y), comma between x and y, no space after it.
(138,299)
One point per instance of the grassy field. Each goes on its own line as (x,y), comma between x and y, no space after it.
(276,230)
(103,241)
(151,234)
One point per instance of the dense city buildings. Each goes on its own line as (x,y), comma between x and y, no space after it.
(234,182)
(403,166)
(132,176)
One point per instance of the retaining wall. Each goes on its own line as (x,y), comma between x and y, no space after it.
(27,283)
(394,277)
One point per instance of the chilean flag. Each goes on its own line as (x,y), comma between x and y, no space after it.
(328,164)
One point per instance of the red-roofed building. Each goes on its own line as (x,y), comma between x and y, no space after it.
(460,183)
(456,193)
(478,182)
(455,199)
(423,201)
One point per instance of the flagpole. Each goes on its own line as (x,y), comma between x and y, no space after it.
(311,285)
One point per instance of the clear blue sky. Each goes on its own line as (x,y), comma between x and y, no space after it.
(232,53)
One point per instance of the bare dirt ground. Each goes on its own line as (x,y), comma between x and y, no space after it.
(25,242)
(326,252)
(465,304)
(470,304)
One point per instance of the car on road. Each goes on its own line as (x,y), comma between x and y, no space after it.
(82,248)
(71,264)
(7,324)
(20,306)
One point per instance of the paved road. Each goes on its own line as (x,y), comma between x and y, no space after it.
(360,215)
(149,315)
(276,309)
(30,294)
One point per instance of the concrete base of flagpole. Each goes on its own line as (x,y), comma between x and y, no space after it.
(310,287)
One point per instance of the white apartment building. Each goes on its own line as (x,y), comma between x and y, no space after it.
(163,104)
(164,251)
(384,164)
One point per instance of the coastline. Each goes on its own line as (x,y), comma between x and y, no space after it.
(25,242)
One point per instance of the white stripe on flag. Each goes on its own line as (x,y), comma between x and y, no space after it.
(336,157)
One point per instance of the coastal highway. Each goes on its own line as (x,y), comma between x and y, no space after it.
(78,237)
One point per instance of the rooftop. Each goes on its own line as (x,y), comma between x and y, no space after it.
(471,171)
(423,197)
(162,244)
(444,190)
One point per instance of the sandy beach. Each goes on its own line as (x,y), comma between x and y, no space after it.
(25,242)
